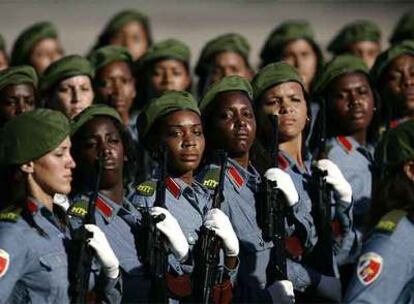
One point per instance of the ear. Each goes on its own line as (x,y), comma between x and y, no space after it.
(27,167)
(409,169)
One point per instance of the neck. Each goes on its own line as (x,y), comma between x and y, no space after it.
(124,118)
(39,194)
(294,149)
(360,136)
(242,160)
(114,193)
(187,177)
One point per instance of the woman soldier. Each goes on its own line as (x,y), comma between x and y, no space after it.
(293,42)
(279,90)
(4,59)
(130,29)
(173,121)
(34,233)
(384,272)
(66,85)
(114,83)
(38,46)
(18,92)
(393,75)
(352,125)
(165,67)
(222,56)
(98,135)
(361,38)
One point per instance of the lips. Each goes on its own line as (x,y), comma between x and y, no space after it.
(189,157)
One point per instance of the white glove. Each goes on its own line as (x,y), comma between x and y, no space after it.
(169,226)
(284,183)
(217,221)
(336,179)
(61,200)
(282,292)
(104,252)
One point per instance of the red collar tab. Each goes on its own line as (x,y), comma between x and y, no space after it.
(345,143)
(394,123)
(282,162)
(173,187)
(31,206)
(294,246)
(104,207)
(235,176)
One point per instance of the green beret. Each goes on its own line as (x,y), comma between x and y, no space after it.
(28,39)
(339,65)
(2,43)
(91,112)
(404,30)
(169,102)
(226,84)
(225,43)
(285,32)
(362,30)
(22,74)
(68,66)
(33,134)
(385,58)
(274,74)
(108,54)
(396,145)
(167,49)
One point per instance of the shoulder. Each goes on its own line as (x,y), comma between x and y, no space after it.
(209,177)
(146,188)
(339,145)
(394,221)
(79,207)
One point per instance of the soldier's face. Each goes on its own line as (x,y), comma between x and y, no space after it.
(4,63)
(45,52)
(286,100)
(133,37)
(399,84)
(353,102)
(367,50)
(169,74)
(233,124)
(16,99)
(182,132)
(115,86)
(228,64)
(100,137)
(53,171)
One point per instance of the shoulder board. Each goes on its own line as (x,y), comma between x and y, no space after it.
(79,209)
(390,221)
(211,178)
(345,143)
(146,188)
(10,214)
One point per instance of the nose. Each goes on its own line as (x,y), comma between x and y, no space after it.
(21,107)
(75,95)
(71,162)
(285,108)
(189,141)
(408,80)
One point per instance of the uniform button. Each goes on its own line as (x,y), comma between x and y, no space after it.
(261,243)
(191,240)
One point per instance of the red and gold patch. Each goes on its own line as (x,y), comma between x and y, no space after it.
(4,262)
(369,267)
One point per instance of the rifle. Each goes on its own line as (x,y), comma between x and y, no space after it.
(206,269)
(274,214)
(155,254)
(322,255)
(82,253)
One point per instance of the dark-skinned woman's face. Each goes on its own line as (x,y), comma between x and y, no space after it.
(399,84)
(182,133)
(100,136)
(352,101)
(15,100)
(232,124)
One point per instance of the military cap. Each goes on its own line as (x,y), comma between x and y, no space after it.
(32,134)
(2,43)
(226,84)
(396,145)
(167,49)
(68,66)
(22,74)
(385,58)
(361,30)
(122,18)
(108,54)
(338,66)
(285,32)
(404,30)
(28,39)
(169,102)
(274,74)
(231,42)
(91,112)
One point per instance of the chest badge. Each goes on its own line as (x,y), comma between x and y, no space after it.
(4,262)
(369,267)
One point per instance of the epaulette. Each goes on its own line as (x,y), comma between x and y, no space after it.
(345,143)
(390,221)
(11,214)
(146,188)
(79,209)
(211,178)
